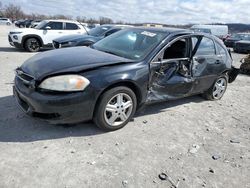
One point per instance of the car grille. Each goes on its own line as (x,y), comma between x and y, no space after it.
(27,79)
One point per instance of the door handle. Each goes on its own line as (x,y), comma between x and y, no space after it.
(60,32)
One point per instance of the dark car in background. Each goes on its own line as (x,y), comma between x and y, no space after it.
(230,41)
(23,23)
(110,80)
(88,39)
(243,46)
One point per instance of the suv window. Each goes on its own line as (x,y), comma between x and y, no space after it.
(71,26)
(55,25)
(206,46)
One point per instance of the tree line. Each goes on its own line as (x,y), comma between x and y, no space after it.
(14,12)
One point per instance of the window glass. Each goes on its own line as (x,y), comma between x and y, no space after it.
(132,43)
(222,52)
(206,47)
(55,25)
(99,31)
(71,26)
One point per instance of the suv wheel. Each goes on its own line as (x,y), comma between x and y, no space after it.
(218,89)
(115,109)
(32,45)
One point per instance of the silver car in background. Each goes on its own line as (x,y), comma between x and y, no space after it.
(5,21)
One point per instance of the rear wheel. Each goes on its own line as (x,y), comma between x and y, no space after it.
(115,108)
(218,89)
(32,45)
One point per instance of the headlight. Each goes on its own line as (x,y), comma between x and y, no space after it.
(65,83)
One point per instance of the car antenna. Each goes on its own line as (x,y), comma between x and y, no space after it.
(83,27)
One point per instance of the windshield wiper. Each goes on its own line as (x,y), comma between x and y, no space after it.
(106,51)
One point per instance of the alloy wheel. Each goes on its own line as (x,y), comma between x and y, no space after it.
(118,109)
(219,88)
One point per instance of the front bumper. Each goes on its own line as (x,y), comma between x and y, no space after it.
(14,43)
(60,108)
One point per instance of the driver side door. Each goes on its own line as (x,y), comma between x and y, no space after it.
(171,76)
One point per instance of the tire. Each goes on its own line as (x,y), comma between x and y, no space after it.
(32,45)
(217,90)
(116,112)
(8,23)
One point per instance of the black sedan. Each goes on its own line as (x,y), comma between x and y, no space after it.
(23,23)
(243,46)
(230,41)
(110,80)
(92,36)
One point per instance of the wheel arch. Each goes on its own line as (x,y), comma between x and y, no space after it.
(26,37)
(125,83)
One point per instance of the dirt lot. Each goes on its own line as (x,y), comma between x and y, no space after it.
(178,137)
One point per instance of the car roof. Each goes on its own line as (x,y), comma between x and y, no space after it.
(62,20)
(168,30)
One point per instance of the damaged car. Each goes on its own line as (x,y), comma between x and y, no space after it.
(243,46)
(110,80)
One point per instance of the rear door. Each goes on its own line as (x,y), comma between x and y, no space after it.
(71,28)
(207,63)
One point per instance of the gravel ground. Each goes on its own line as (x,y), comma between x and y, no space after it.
(179,138)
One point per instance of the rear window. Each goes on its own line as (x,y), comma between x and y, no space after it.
(71,26)
(222,52)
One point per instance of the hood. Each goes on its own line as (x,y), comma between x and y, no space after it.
(71,60)
(243,42)
(22,30)
(75,37)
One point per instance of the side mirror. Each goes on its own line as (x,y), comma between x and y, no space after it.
(47,28)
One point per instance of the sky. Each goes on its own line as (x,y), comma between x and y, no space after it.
(142,11)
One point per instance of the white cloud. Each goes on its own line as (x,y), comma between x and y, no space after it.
(158,11)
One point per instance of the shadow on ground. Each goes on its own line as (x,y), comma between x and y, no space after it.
(12,49)
(15,126)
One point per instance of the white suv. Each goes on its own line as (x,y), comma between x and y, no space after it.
(5,21)
(32,39)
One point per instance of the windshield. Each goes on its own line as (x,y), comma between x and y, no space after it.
(41,24)
(133,44)
(99,31)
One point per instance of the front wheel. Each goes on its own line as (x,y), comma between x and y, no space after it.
(115,108)
(32,45)
(218,89)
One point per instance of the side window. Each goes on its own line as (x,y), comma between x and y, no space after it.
(55,25)
(71,26)
(206,47)
(222,52)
